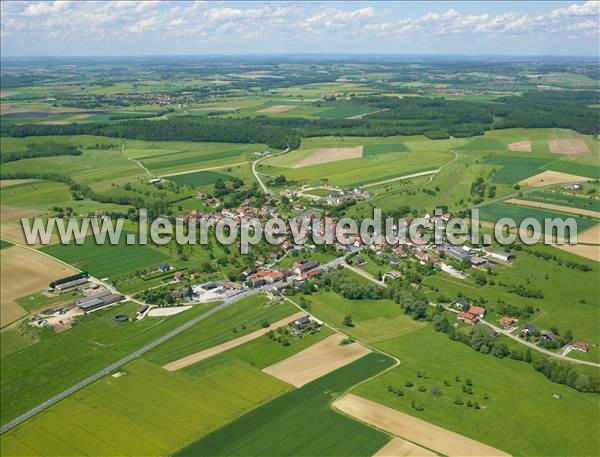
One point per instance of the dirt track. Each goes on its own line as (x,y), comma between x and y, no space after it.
(416,430)
(327,155)
(569,146)
(564,209)
(25,272)
(547,178)
(402,448)
(316,361)
(210,352)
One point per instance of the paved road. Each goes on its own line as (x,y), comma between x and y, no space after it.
(529,344)
(87,381)
(254,172)
(124,360)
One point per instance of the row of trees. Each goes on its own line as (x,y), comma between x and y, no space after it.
(482,339)
(45,149)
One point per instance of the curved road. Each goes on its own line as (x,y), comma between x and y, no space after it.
(499,330)
(255,173)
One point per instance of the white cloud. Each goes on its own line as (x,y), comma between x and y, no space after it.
(282,22)
(42,8)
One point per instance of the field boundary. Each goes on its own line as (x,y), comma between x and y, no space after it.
(220,348)
(398,423)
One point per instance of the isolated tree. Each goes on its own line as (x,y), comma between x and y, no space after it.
(348,321)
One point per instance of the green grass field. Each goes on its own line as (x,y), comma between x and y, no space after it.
(495,211)
(375,149)
(374,320)
(148,411)
(301,422)
(570,300)
(520,402)
(239,319)
(199,178)
(514,169)
(40,370)
(107,260)
(574,168)
(556,198)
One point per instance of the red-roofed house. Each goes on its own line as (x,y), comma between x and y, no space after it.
(477,311)
(580,346)
(467,318)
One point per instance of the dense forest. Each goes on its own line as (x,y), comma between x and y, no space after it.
(435,117)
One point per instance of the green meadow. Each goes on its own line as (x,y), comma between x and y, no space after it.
(50,363)
(570,299)
(501,387)
(199,178)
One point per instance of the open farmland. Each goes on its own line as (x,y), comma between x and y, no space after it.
(316,361)
(25,271)
(345,111)
(301,422)
(125,415)
(512,169)
(509,386)
(549,178)
(216,350)
(39,371)
(107,260)
(412,428)
(496,211)
(563,199)
(199,178)
(203,155)
(554,207)
(376,149)
(356,172)
(236,321)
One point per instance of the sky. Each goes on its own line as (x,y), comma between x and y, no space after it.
(88,28)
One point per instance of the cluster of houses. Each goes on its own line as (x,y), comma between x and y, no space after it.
(282,278)
(337,196)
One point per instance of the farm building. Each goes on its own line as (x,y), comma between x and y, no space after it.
(478,261)
(70,284)
(457,253)
(504,256)
(99,300)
